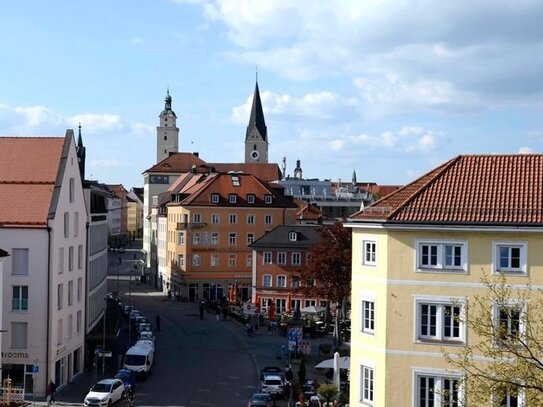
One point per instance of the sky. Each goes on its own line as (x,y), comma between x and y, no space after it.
(389,89)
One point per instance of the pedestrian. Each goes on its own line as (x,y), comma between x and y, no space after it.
(157,322)
(51,390)
(249,326)
(201,309)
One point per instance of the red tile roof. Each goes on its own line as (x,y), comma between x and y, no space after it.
(473,189)
(28,169)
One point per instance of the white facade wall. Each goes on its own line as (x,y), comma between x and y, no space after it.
(163,278)
(114,206)
(97,272)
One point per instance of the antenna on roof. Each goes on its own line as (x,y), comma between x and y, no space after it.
(256,71)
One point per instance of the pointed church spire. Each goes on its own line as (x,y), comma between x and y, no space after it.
(256,120)
(354,178)
(81,153)
(168,105)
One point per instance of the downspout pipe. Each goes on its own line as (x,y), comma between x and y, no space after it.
(47,341)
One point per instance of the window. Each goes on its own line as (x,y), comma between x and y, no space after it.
(233,218)
(20,298)
(72,189)
(215,218)
(70,326)
(196,218)
(437,391)
(196,238)
(368,256)
(231,260)
(268,199)
(292,236)
(232,238)
(509,323)
(181,238)
(71,258)
(66,224)
(512,398)
(214,238)
(232,198)
(79,289)
(19,335)
(510,257)
(366,385)
(281,281)
(442,255)
(78,322)
(70,292)
(80,256)
(61,260)
(368,316)
(181,260)
(296,258)
(196,260)
(215,198)
(295,281)
(440,321)
(295,304)
(76,223)
(267,280)
(250,199)
(60,296)
(250,238)
(235,181)
(19,265)
(250,219)
(214,260)
(268,219)
(267,258)
(59,332)
(281,258)
(249,260)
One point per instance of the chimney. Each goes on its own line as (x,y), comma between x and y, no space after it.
(196,154)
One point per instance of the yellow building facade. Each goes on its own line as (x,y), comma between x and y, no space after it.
(419,257)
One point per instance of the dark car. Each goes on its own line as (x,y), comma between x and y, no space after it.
(261,400)
(128,378)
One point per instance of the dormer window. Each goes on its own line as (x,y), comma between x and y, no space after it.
(292,236)
(215,198)
(250,199)
(232,198)
(235,181)
(268,199)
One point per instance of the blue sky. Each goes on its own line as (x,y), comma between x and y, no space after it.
(388,88)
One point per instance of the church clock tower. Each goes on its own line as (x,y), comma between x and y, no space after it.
(167,133)
(256,139)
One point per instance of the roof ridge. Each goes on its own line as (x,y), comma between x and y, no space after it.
(27,182)
(438,171)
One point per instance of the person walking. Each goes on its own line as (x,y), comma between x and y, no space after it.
(157,322)
(51,390)
(201,309)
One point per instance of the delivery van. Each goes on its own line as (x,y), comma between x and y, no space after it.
(139,358)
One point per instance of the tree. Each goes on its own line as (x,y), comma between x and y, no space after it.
(328,391)
(328,271)
(503,361)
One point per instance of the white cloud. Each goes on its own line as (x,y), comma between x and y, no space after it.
(525,150)
(95,123)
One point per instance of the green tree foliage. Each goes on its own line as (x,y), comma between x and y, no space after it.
(328,391)
(504,355)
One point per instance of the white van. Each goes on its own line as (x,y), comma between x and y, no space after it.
(139,358)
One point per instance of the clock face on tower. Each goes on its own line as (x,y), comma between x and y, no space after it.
(254,155)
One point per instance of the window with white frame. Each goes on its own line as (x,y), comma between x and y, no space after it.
(268,219)
(512,397)
(71,190)
(233,218)
(282,258)
(76,223)
(249,260)
(267,280)
(215,198)
(78,322)
(310,303)
(251,219)
(367,377)
(214,260)
(20,298)
(296,258)
(268,199)
(79,289)
(295,304)
(280,305)
(292,236)
(267,258)
(215,218)
(232,198)
(181,260)
(509,322)
(60,296)
(70,258)
(196,218)
(196,260)
(231,260)
(232,238)
(250,238)
(70,292)
(510,257)
(440,320)
(369,252)
(61,260)
(181,238)
(281,281)
(437,255)
(66,224)
(70,326)
(214,238)
(19,335)
(250,199)
(80,256)
(295,281)
(437,390)
(368,315)
(196,238)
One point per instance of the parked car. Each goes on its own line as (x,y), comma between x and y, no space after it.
(261,400)
(128,377)
(271,369)
(105,393)
(146,336)
(141,319)
(134,314)
(127,309)
(144,327)
(273,384)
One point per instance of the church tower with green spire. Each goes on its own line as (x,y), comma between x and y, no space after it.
(167,133)
(256,139)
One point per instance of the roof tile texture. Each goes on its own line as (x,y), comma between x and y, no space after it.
(477,189)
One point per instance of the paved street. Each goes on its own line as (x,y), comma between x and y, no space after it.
(198,363)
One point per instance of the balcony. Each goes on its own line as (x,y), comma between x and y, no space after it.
(187,226)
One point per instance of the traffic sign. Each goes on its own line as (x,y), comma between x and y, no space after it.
(35,369)
(104,353)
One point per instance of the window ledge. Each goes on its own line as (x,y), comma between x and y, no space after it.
(441,271)
(424,341)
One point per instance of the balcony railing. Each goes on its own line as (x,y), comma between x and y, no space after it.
(189,225)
